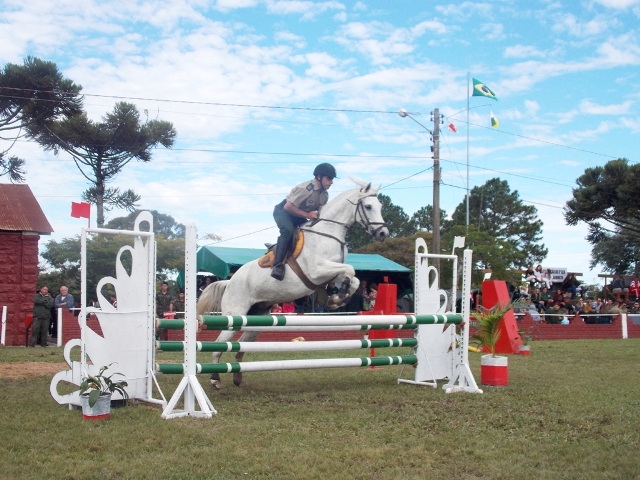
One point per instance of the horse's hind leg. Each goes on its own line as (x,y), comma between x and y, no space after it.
(245,337)
(225,336)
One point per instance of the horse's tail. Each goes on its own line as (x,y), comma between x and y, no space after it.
(211,297)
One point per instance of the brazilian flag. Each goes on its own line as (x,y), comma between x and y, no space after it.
(481,90)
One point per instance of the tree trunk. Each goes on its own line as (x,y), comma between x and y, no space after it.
(100,203)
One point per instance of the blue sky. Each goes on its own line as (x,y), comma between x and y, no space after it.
(566,74)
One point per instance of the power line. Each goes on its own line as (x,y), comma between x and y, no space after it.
(193,102)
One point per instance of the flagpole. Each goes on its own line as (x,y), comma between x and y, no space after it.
(468,94)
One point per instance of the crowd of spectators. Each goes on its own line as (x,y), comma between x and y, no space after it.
(560,305)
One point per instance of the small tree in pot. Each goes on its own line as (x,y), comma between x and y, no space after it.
(493,370)
(96,404)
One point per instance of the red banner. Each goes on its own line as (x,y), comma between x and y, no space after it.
(80,210)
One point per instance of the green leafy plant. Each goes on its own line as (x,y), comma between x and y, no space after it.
(102,384)
(486,325)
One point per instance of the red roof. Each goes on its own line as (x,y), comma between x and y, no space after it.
(20,211)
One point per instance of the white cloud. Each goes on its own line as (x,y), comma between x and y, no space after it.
(225,5)
(522,51)
(568,23)
(493,31)
(593,109)
(288,37)
(618,4)
(466,9)
(359,6)
(308,9)
(381,41)
(340,17)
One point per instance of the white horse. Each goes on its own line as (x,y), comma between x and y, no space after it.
(252,290)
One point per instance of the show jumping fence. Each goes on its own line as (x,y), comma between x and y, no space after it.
(438,349)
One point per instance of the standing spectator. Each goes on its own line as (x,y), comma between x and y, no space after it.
(356,302)
(114,301)
(371,297)
(288,307)
(207,282)
(634,287)
(178,306)
(332,289)
(42,304)
(163,300)
(63,300)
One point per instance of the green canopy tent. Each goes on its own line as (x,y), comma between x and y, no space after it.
(222,261)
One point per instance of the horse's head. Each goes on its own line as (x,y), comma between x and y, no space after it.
(369,212)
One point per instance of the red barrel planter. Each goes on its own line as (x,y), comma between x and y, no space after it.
(494,371)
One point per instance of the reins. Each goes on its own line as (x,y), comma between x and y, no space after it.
(359,210)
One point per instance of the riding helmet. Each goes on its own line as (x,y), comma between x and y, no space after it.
(325,169)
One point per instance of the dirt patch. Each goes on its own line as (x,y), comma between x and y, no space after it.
(17,371)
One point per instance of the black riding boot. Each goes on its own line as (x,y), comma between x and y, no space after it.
(277,271)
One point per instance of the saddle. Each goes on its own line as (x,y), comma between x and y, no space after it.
(266,261)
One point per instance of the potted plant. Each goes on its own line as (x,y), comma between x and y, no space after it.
(95,394)
(525,348)
(493,370)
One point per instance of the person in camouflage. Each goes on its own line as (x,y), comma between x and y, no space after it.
(163,300)
(42,304)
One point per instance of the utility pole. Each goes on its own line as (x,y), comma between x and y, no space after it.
(435,149)
(435,236)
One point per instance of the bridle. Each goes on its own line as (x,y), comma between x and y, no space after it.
(364,222)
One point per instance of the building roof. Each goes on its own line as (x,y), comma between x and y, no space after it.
(20,211)
(222,260)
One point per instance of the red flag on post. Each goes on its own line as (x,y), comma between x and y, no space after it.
(81,210)
(452,128)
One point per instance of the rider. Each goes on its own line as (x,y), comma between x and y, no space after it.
(302,204)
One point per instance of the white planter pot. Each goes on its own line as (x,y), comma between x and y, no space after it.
(101,409)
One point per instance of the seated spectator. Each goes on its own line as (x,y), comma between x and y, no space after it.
(552,314)
(530,275)
(570,284)
(558,296)
(545,298)
(618,288)
(634,287)
(536,298)
(276,308)
(614,311)
(635,308)
(546,277)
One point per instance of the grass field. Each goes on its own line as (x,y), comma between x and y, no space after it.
(571,410)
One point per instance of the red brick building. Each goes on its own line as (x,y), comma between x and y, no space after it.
(21,224)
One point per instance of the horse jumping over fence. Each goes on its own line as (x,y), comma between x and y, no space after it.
(251,290)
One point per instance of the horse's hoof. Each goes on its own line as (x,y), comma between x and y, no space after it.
(217,384)
(242,384)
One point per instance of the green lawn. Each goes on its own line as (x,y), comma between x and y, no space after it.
(571,410)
